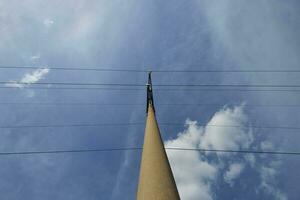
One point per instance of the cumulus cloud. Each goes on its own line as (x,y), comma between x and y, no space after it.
(193,173)
(197,173)
(29,78)
(236,137)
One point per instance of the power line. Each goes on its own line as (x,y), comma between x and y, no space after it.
(234,151)
(228,85)
(139,104)
(142,123)
(76,84)
(68,151)
(236,126)
(75,69)
(155,71)
(156,89)
(71,88)
(227,71)
(158,85)
(139,148)
(73,125)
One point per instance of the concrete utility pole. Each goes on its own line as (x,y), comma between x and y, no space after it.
(156,181)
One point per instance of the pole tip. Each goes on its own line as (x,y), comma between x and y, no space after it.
(149,92)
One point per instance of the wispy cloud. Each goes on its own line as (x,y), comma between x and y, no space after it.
(34,58)
(233,172)
(268,174)
(29,78)
(48,23)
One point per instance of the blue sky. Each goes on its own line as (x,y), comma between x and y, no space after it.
(157,35)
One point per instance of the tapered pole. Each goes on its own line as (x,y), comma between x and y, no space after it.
(156,181)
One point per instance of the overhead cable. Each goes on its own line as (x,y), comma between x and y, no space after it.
(139,148)
(139,69)
(156,89)
(142,123)
(138,104)
(158,85)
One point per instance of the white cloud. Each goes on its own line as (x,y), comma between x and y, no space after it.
(29,78)
(250,158)
(192,173)
(268,170)
(35,76)
(266,145)
(268,180)
(197,173)
(236,137)
(233,172)
(34,58)
(48,22)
